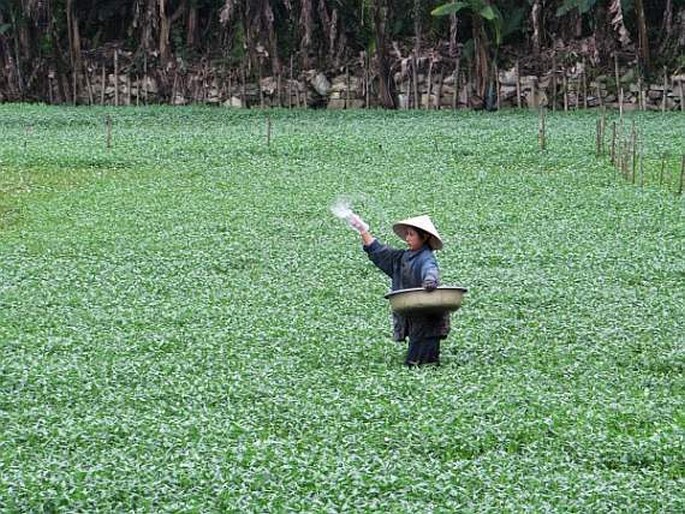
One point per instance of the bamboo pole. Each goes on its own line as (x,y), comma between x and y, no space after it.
(457,78)
(145,78)
(128,88)
(74,92)
(663,96)
(584,86)
(438,102)
(497,88)
(415,81)
(50,93)
(116,77)
(429,85)
(661,170)
(618,81)
(367,92)
(633,150)
(89,87)
(518,84)
(268,130)
(598,136)
(104,85)
(259,85)
(347,87)
(620,104)
(108,129)
(290,85)
(554,83)
(243,91)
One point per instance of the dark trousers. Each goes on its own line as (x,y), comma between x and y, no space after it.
(423,351)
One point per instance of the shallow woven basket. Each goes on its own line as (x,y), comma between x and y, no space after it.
(417,299)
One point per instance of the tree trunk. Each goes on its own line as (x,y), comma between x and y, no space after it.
(643,41)
(192,26)
(386,82)
(535,16)
(163,44)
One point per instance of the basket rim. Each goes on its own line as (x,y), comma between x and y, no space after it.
(419,289)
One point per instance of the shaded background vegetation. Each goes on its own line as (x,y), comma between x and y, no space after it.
(43,40)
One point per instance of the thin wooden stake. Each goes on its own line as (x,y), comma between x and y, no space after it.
(441,79)
(618,81)
(613,143)
(128,87)
(497,88)
(642,169)
(89,86)
(620,104)
(518,84)
(598,136)
(457,77)
(584,86)
(268,131)
(661,171)
(663,96)
(290,85)
(429,86)
(682,175)
(682,96)
(415,81)
(243,92)
(108,127)
(541,130)
(633,151)
(145,78)
(116,77)
(347,87)
(104,85)
(554,83)
(367,78)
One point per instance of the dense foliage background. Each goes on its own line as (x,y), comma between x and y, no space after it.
(59,40)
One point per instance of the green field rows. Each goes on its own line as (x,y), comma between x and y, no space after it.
(185,327)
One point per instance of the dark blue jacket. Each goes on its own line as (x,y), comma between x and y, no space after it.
(406,269)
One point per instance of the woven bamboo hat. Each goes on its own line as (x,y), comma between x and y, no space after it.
(422,222)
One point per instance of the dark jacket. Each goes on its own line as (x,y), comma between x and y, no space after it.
(410,268)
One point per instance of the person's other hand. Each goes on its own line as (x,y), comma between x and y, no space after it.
(430,285)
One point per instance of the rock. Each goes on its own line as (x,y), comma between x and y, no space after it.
(233,102)
(268,85)
(320,84)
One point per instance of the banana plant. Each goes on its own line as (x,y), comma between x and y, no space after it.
(486,23)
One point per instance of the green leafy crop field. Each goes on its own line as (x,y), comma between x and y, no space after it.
(185,327)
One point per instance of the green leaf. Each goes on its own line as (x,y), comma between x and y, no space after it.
(447,9)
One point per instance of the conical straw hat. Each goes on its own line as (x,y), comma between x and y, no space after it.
(424,223)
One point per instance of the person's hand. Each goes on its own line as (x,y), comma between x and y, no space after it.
(430,284)
(357,223)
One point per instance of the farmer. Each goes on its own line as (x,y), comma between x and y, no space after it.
(414,267)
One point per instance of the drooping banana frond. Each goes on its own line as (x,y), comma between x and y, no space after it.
(616,13)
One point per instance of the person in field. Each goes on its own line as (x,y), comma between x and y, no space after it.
(412,267)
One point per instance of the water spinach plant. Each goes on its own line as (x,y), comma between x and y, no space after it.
(184,326)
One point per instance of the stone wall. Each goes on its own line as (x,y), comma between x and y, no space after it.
(566,90)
